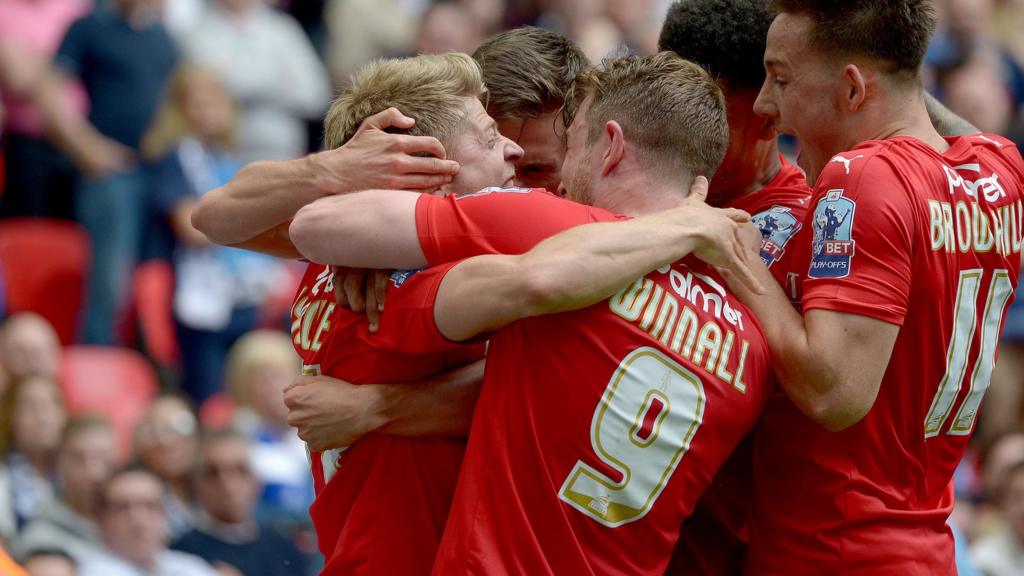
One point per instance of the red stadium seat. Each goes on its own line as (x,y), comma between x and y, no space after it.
(116,382)
(44,264)
(217,412)
(152,296)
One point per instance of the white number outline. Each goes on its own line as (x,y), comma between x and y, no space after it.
(965,320)
(602,507)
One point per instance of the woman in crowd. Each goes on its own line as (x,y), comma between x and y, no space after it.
(32,417)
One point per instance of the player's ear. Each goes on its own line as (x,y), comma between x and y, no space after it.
(854,87)
(615,147)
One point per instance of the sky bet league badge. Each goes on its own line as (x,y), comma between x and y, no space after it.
(833,245)
(777,226)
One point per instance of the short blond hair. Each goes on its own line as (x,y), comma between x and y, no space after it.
(669,108)
(429,88)
(253,350)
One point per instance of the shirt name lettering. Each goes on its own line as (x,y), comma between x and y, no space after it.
(676,325)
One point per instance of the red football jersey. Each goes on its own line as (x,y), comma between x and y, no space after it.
(714,538)
(596,430)
(930,242)
(380,505)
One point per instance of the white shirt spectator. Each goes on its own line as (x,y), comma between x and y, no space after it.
(168,563)
(1000,554)
(272,71)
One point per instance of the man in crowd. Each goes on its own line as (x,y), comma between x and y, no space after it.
(134,529)
(123,55)
(914,238)
(227,533)
(85,459)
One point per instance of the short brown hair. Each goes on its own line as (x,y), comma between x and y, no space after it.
(669,108)
(80,423)
(894,32)
(428,88)
(529,71)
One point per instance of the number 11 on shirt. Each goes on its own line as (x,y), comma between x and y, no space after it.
(965,323)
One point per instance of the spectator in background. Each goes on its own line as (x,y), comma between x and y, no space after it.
(587,23)
(7,565)
(966,37)
(68,523)
(29,346)
(449,27)
(260,366)
(226,531)
(123,56)
(134,530)
(49,563)
(39,180)
(32,417)
(165,443)
(269,67)
(359,31)
(218,290)
(1002,553)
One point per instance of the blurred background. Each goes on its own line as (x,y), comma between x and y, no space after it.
(125,334)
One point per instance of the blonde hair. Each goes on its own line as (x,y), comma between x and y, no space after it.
(258,348)
(428,88)
(671,109)
(170,125)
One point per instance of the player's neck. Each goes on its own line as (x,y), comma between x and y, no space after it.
(639,195)
(754,169)
(904,116)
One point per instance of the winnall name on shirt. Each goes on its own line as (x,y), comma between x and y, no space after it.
(966,226)
(673,320)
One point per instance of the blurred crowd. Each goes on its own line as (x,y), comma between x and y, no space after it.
(118,116)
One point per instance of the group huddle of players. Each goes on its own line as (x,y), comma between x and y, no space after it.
(646,383)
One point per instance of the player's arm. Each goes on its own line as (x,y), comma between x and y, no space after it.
(829,363)
(370,229)
(945,121)
(331,413)
(254,209)
(586,264)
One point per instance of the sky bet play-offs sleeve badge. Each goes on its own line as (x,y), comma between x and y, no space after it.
(399,277)
(777,225)
(833,244)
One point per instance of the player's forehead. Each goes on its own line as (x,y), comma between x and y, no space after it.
(477,120)
(787,43)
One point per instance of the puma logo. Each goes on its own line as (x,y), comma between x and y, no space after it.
(846,161)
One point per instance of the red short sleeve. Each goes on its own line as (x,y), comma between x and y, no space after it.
(862,223)
(495,221)
(407,323)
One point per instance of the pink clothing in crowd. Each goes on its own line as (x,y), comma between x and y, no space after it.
(37,27)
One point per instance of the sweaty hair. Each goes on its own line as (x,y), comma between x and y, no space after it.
(726,37)
(428,88)
(529,71)
(670,109)
(894,32)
